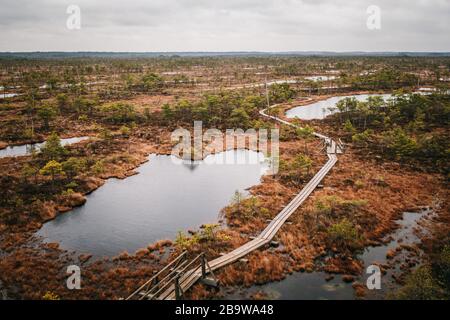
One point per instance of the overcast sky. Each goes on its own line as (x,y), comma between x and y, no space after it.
(226,25)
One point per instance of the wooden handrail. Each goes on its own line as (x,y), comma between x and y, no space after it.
(166,279)
(182,255)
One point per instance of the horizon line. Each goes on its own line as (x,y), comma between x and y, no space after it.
(225,51)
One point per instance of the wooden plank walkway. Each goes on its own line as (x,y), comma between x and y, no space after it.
(266,236)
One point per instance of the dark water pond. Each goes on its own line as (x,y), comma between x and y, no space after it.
(26,149)
(164,198)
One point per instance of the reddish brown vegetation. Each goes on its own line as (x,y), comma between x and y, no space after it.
(353,179)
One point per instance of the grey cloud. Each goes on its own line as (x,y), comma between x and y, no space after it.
(190,25)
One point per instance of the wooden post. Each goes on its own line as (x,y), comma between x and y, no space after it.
(178,291)
(203,267)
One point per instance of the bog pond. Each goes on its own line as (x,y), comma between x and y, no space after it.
(27,149)
(321,109)
(162,199)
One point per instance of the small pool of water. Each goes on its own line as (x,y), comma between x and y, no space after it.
(320,109)
(26,149)
(8,95)
(164,198)
(377,254)
(314,286)
(281,82)
(320,78)
(301,286)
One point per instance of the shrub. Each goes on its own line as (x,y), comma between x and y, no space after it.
(68,192)
(125,131)
(208,233)
(73,166)
(28,171)
(344,235)
(329,204)
(281,93)
(359,184)
(184,242)
(420,285)
(399,144)
(303,163)
(288,133)
(296,170)
(361,139)
(83,118)
(46,113)
(52,149)
(441,268)
(241,207)
(118,113)
(306,133)
(62,102)
(106,135)
(239,118)
(152,82)
(52,168)
(349,128)
(98,167)
(237,199)
(71,185)
(50,296)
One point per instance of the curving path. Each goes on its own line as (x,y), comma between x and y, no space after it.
(269,232)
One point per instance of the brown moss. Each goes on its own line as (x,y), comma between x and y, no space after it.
(48,211)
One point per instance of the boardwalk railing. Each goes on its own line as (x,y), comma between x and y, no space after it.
(168,279)
(147,289)
(188,279)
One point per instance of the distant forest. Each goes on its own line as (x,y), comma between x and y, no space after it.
(122,55)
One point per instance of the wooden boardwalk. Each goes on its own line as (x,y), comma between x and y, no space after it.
(266,236)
